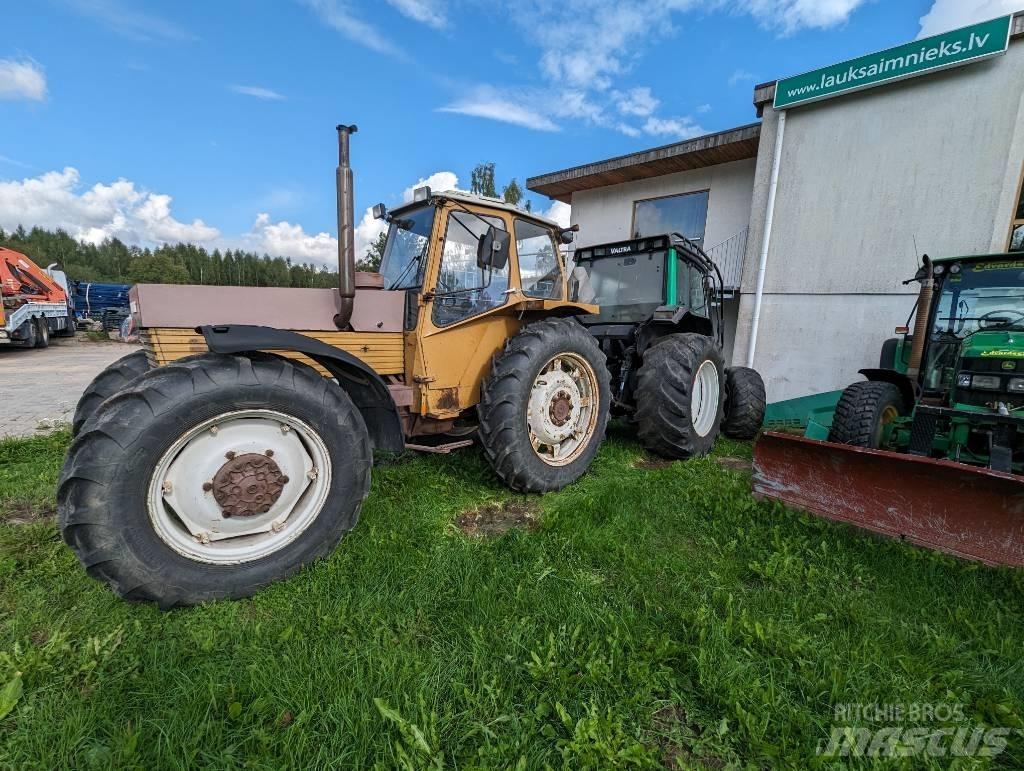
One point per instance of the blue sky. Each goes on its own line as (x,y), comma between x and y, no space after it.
(213,121)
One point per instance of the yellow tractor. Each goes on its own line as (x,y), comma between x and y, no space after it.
(237,445)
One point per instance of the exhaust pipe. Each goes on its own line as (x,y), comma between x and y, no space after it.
(924,304)
(346,231)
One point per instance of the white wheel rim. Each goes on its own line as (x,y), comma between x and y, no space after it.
(704,398)
(562,411)
(183,503)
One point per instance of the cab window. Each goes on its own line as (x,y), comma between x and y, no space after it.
(538,261)
(690,288)
(463,289)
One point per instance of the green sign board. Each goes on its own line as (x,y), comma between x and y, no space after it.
(949,49)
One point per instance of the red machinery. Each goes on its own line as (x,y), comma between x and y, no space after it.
(35,302)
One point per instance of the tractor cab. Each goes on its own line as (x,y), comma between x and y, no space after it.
(974,356)
(666,281)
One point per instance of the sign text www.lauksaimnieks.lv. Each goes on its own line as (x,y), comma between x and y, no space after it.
(949,49)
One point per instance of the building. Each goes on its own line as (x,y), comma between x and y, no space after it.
(852,173)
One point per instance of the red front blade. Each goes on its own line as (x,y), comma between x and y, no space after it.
(965,510)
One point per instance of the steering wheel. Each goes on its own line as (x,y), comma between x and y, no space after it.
(985,323)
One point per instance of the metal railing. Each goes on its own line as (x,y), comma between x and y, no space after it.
(728,256)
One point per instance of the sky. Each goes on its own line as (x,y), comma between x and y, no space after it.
(213,122)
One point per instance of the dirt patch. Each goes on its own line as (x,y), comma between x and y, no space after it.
(493,520)
(25,513)
(736,464)
(670,721)
(652,464)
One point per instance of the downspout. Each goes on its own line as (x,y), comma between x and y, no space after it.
(766,240)
(346,231)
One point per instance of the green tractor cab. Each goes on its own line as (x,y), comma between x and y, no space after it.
(931,445)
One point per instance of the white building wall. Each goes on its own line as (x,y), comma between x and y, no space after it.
(606,214)
(862,176)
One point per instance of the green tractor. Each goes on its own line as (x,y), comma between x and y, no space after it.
(930,446)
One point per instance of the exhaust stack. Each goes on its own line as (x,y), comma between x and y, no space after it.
(346,230)
(924,304)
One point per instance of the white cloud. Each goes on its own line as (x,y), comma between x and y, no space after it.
(487,102)
(338,15)
(636,101)
(945,15)
(291,240)
(22,80)
(429,12)
(789,16)
(741,76)
(257,91)
(130,23)
(115,210)
(676,128)
(559,212)
(704,108)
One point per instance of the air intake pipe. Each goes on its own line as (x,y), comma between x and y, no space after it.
(346,231)
(924,305)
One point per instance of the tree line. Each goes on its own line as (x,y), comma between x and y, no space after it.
(115,262)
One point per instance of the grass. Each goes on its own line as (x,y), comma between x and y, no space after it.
(649,616)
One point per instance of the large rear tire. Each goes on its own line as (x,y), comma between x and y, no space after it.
(212,478)
(680,396)
(745,403)
(544,406)
(42,332)
(111,380)
(863,411)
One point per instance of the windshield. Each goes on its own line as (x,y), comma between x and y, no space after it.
(982,296)
(979,297)
(406,249)
(627,288)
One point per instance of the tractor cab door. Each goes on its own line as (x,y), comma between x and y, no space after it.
(466,315)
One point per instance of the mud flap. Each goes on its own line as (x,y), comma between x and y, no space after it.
(964,510)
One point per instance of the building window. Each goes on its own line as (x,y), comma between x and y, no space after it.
(686,214)
(1017,226)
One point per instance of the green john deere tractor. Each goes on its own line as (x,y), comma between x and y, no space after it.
(930,446)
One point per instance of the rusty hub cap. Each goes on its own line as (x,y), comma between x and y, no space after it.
(561,408)
(248,484)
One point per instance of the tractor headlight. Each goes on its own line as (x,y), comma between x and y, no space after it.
(3,334)
(963,380)
(987,382)
(1016,385)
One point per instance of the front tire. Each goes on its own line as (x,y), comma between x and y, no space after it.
(111,380)
(544,406)
(212,478)
(680,396)
(863,411)
(42,332)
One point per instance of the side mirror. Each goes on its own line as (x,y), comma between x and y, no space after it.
(568,235)
(492,250)
(380,212)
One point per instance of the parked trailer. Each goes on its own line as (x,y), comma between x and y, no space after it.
(35,302)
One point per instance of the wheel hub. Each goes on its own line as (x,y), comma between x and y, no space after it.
(561,408)
(248,484)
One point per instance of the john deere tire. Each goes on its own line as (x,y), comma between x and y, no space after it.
(212,478)
(862,413)
(745,403)
(680,395)
(106,384)
(544,406)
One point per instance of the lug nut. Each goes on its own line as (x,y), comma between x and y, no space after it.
(230,455)
(207,486)
(284,479)
(269,453)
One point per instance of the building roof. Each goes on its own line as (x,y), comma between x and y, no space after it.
(708,150)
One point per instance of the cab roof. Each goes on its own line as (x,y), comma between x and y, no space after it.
(463,196)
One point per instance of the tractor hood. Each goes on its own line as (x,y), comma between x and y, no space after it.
(995,344)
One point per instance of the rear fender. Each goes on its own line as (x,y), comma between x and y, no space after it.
(364,386)
(908,389)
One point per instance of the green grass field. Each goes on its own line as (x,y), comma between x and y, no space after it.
(647,616)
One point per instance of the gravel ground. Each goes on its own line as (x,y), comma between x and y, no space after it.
(39,387)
